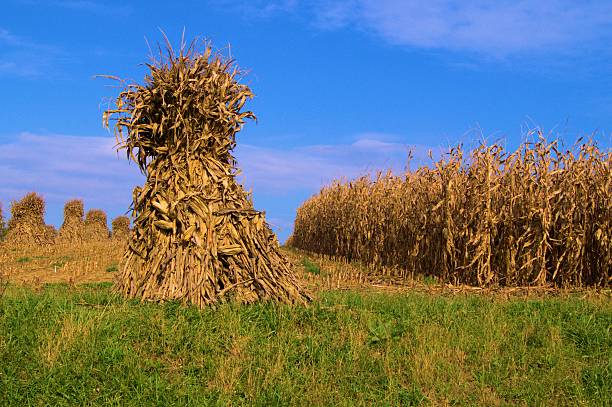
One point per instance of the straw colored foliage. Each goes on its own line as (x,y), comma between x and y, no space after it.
(73,229)
(196,236)
(121,228)
(1,223)
(27,223)
(539,216)
(96,227)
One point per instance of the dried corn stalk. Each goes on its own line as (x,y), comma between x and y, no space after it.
(537,216)
(51,233)
(1,223)
(120,228)
(72,230)
(195,237)
(27,223)
(96,227)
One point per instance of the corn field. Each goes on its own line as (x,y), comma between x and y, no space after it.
(540,215)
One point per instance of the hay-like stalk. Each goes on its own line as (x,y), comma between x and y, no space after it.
(96,226)
(73,229)
(121,228)
(196,236)
(2,230)
(27,223)
(51,233)
(536,216)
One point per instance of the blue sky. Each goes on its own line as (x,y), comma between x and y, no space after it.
(342,87)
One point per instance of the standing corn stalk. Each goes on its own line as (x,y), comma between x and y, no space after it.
(196,237)
(540,215)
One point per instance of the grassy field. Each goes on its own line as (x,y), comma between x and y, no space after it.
(62,344)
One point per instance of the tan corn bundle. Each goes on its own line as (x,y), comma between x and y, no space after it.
(27,223)
(196,236)
(96,227)
(1,223)
(51,233)
(536,216)
(289,242)
(120,228)
(73,228)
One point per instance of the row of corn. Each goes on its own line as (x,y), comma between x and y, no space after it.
(540,215)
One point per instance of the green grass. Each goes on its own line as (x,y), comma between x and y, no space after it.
(86,346)
(112,268)
(27,259)
(61,261)
(311,267)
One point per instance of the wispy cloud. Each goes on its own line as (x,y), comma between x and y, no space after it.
(10,39)
(23,57)
(259,8)
(311,167)
(62,167)
(32,58)
(490,28)
(95,7)
(495,28)
(72,165)
(113,9)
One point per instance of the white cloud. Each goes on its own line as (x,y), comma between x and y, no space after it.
(492,28)
(25,58)
(94,7)
(258,8)
(311,167)
(63,167)
(497,28)
(8,38)
(85,6)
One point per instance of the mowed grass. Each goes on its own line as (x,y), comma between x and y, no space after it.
(61,345)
